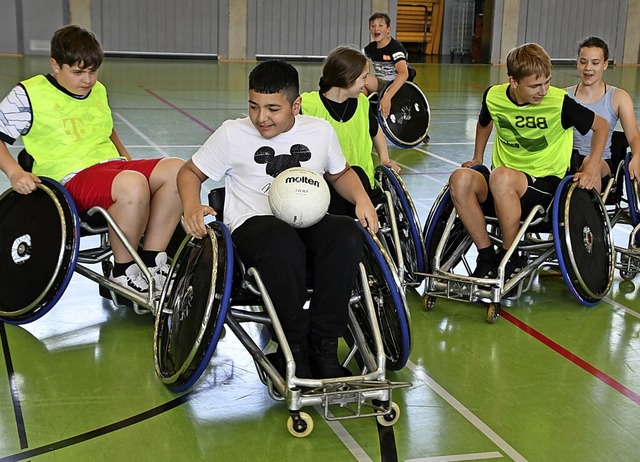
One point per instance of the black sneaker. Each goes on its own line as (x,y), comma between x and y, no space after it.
(323,358)
(515,264)
(300,353)
(486,266)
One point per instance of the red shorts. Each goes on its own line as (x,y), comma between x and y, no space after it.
(92,186)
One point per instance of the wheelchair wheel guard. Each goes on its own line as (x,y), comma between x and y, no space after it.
(39,242)
(389,303)
(193,308)
(407,221)
(582,238)
(408,121)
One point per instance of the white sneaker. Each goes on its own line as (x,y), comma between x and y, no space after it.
(132,279)
(160,272)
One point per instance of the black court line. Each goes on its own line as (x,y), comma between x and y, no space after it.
(388,450)
(102,430)
(15,394)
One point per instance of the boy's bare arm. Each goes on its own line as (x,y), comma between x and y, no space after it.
(22,182)
(117,142)
(402,70)
(482,138)
(190,179)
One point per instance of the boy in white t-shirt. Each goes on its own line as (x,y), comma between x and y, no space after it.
(248,153)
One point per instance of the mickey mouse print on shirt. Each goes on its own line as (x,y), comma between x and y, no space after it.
(277,163)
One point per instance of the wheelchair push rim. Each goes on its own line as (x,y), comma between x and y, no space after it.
(193,308)
(582,238)
(408,122)
(39,242)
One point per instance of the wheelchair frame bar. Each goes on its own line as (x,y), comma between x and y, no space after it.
(443,283)
(322,392)
(145,302)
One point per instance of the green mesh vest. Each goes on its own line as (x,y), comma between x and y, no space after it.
(67,134)
(530,138)
(353,134)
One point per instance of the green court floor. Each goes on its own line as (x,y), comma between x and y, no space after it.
(551,380)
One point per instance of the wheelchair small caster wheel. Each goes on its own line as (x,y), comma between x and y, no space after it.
(429,302)
(626,286)
(300,424)
(493,311)
(391,418)
(627,275)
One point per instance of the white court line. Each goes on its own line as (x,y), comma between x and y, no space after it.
(350,443)
(443,159)
(142,135)
(466,413)
(456,457)
(622,307)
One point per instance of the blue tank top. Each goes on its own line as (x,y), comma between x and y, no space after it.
(604,108)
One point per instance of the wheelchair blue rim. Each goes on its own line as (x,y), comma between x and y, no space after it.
(558,236)
(398,301)
(58,190)
(221,315)
(411,214)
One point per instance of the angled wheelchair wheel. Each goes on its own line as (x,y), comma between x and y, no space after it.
(408,121)
(632,190)
(193,307)
(412,245)
(389,304)
(582,238)
(458,241)
(39,241)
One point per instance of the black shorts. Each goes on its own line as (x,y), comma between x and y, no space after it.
(577,159)
(540,191)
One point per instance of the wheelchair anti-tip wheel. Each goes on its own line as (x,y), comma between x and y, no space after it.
(582,238)
(39,241)
(193,308)
(389,304)
(407,222)
(408,121)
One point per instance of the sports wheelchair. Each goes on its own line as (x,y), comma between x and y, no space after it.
(208,288)
(621,195)
(399,230)
(573,233)
(408,122)
(40,250)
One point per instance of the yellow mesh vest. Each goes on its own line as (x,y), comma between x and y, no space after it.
(67,134)
(353,135)
(530,138)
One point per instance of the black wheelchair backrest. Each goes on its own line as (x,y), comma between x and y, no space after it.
(216,201)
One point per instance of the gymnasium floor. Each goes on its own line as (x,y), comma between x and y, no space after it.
(550,380)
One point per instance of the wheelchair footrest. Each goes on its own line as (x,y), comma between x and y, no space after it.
(358,399)
(462,288)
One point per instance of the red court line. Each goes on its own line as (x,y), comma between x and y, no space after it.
(571,357)
(181,111)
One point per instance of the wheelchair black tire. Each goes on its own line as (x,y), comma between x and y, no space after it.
(408,121)
(193,308)
(408,224)
(39,242)
(389,304)
(582,238)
